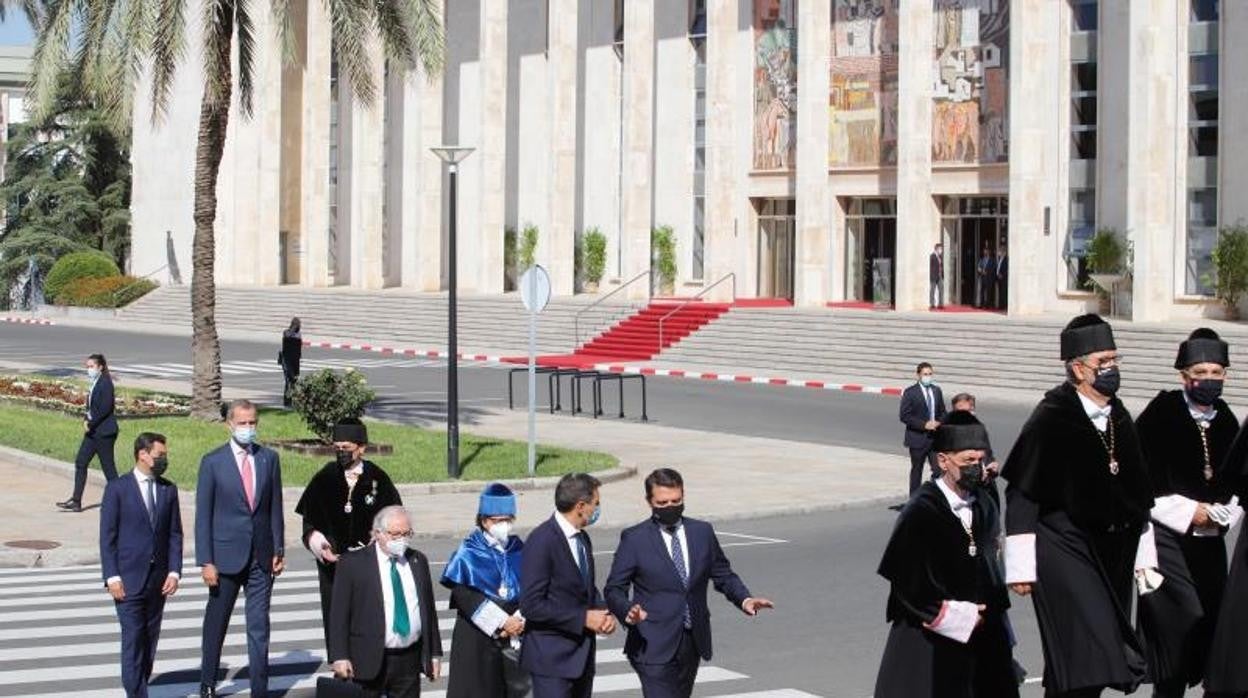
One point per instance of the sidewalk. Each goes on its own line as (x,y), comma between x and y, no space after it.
(727,477)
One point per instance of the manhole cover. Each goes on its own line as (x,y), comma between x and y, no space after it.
(32,544)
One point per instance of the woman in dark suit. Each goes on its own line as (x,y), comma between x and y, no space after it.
(99,431)
(290,356)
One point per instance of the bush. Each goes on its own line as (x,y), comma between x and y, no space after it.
(1230,264)
(78,265)
(1106,253)
(595,254)
(509,259)
(327,397)
(528,247)
(663,249)
(104,292)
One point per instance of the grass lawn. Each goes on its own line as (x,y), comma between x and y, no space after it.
(419,454)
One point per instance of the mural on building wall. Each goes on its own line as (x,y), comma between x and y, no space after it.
(969,119)
(863,98)
(775,84)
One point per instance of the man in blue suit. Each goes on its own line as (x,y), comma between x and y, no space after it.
(668,561)
(239,534)
(922,410)
(141,555)
(563,611)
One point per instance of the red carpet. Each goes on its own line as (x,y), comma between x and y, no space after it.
(637,338)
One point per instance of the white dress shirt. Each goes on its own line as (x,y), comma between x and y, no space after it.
(1099,415)
(570,532)
(394,641)
(238,461)
(141,480)
(956,619)
(684,542)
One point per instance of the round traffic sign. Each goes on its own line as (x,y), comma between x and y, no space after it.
(535,288)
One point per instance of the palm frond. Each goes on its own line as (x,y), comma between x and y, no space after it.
(350,26)
(282,22)
(167,45)
(393,25)
(246,58)
(427,35)
(51,56)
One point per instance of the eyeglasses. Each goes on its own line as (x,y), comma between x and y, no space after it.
(401,534)
(1110,362)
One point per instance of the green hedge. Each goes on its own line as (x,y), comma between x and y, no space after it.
(105,292)
(78,265)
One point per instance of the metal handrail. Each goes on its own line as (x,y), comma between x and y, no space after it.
(677,309)
(576,320)
(137,280)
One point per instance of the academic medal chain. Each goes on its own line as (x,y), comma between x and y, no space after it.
(1109,445)
(971,549)
(351,482)
(1204,442)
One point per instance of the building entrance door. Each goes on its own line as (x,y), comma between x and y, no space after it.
(871,250)
(777,248)
(975,235)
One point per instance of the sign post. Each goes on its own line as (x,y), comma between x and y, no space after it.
(535,294)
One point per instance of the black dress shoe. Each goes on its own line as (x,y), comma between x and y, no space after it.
(70,505)
(207,690)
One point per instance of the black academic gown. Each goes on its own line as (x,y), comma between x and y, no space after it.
(1226,670)
(1087,523)
(322,507)
(927,562)
(1177,620)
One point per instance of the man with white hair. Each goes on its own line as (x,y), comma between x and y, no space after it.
(383,631)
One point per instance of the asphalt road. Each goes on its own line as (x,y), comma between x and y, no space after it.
(415,390)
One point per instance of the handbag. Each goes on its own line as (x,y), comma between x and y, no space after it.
(333,687)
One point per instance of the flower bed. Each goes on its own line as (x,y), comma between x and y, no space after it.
(70,397)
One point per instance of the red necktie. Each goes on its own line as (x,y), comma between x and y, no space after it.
(248,487)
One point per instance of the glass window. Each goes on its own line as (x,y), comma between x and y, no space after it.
(1202,142)
(1083,143)
(1203,70)
(1083,111)
(1200,274)
(1083,15)
(1083,77)
(1204,11)
(1082,228)
(1202,207)
(1203,105)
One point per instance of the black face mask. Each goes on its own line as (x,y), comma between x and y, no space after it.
(159,465)
(1107,381)
(970,476)
(344,458)
(1205,392)
(668,516)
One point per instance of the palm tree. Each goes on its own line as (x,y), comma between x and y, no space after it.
(109,42)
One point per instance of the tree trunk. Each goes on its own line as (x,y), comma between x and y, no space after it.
(214,114)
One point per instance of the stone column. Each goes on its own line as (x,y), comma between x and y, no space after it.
(263,203)
(422,182)
(813,192)
(638,203)
(918,221)
(562,58)
(1155,143)
(1035,140)
(367,189)
(491,155)
(722,19)
(314,198)
(1233,113)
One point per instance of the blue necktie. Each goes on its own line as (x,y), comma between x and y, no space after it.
(678,559)
(150,498)
(583,558)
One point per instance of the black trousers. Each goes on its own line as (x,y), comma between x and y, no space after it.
(291,379)
(325,576)
(556,687)
(675,678)
(919,456)
(91,447)
(140,614)
(399,676)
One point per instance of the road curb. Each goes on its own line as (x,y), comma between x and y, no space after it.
(26,320)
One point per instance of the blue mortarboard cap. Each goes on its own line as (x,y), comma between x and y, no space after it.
(497,500)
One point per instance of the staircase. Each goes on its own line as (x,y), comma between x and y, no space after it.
(637,338)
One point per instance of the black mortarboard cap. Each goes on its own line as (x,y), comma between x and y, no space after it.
(1086,334)
(352,430)
(961,431)
(1203,346)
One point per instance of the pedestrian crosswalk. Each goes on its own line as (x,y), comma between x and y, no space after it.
(59,637)
(257,368)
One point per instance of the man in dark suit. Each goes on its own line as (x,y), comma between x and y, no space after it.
(383,627)
(936,276)
(239,534)
(99,431)
(668,560)
(986,271)
(141,555)
(563,611)
(922,410)
(1003,278)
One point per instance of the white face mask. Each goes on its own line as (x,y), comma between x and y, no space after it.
(93,373)
(500,532)
(244,435)
(396,547)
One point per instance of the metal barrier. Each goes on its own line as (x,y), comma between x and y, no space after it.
(554,389)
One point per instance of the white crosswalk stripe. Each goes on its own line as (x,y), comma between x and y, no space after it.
(59,637)
(244,368)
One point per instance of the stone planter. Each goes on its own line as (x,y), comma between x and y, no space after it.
(590,287)
(316,447)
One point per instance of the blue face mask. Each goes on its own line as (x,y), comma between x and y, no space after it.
(593,518)
(926,380)
(244,435)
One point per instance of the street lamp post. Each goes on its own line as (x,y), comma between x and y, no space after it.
(452,156)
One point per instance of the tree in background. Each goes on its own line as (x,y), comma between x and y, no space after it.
(66,187)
